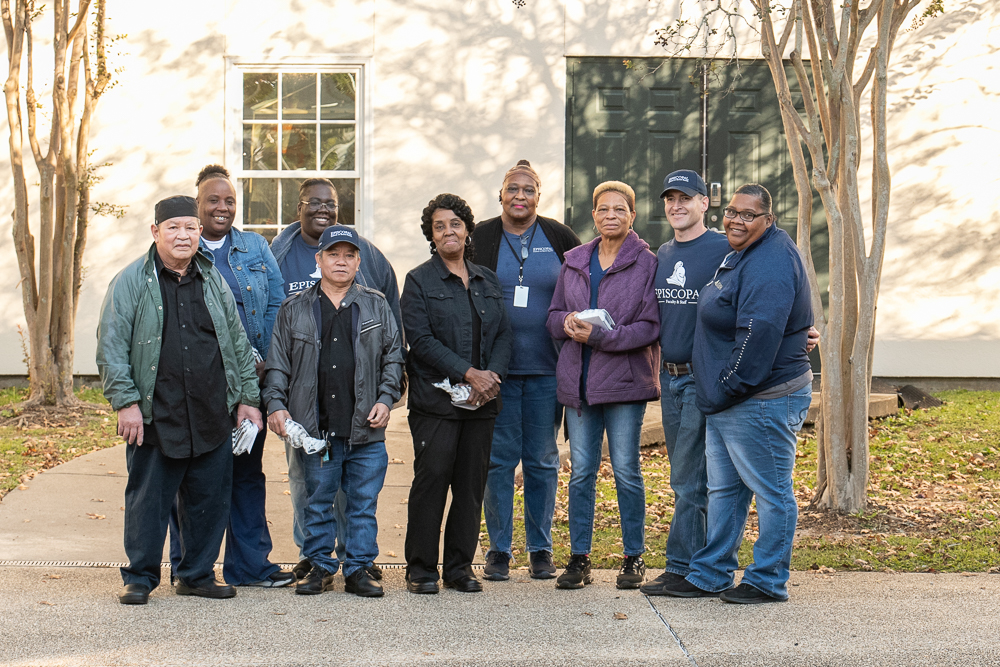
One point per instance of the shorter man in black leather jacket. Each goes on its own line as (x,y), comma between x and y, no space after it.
(335,367)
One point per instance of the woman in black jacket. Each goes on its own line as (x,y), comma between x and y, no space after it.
(456,323)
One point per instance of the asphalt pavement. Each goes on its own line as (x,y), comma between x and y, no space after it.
(61,541)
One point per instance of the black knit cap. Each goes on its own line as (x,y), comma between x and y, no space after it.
(177,206)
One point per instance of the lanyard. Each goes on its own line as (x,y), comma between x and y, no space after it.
(526,251)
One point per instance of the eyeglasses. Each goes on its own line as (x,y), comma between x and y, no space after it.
(524,246)
(315,204)
(745,216)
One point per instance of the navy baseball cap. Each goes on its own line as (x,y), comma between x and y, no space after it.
(339,234)
(686,181)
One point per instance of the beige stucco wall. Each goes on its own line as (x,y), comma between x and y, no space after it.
(462,89)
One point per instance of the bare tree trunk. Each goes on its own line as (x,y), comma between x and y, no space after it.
(50,296)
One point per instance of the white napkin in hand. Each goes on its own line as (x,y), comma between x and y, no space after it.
(459,394)
(597,317)
(299,438)
(244,436)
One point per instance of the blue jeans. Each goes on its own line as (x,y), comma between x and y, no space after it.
(360,472)
(750,451)
(684,432)
(525,432)
(623,422)
(300,500)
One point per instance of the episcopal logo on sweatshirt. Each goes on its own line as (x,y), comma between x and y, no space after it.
(679,276)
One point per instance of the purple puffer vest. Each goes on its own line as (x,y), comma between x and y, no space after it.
(625,362)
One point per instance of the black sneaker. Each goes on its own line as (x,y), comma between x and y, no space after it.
(278,579)
(682,588)
(542,566)
(577,572)
(632,573)
(657,586)
(747,594)
(314,583)
(301,569)
(374,571)
(497,566)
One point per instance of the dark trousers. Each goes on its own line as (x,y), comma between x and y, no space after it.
(248,540)
(201,485)
(448,453)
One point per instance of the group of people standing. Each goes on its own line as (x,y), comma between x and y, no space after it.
(213,325)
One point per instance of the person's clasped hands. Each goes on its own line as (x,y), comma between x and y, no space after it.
(485,386)
(576,328)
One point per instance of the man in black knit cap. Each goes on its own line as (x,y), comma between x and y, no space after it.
(178,369)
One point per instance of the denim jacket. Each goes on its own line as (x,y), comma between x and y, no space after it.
(260,282)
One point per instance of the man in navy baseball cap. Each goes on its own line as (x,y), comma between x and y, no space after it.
(339,234)
(686,181)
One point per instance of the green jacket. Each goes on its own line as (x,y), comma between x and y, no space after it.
(131,326)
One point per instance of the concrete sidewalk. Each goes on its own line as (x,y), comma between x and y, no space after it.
(58,587)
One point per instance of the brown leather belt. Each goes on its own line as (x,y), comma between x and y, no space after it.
(677,369)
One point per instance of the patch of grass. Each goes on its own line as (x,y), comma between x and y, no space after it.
(934,499)
(34,441)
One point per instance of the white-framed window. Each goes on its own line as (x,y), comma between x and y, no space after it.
(293,120)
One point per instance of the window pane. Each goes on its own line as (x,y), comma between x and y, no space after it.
(260,96)
(260,201)
(298,96)
(298,147)
(259,148)
(338,94)
(346,187)
(267,232)
(337,147)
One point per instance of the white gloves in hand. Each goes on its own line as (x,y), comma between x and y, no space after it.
(244,437)
(299,438)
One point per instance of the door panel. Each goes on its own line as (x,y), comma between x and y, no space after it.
(637,125)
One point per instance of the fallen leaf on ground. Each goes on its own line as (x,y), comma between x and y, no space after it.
(390,554)
(397,461)
(398,525)
(287,492)
(97,500)
(619,616)
(587,613)
(404,501)
(95,516)
(278,613)
(54,576)
(111,472)
(27,520)
(50,604)
(22,487)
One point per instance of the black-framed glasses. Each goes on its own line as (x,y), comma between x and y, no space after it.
(745,216)
(315,204)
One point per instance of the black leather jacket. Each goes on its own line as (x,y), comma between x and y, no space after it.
(438,324)
(292,370)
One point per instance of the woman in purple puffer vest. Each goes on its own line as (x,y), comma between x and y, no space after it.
(606,377)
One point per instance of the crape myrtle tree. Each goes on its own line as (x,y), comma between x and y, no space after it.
(839,51)
(51,266)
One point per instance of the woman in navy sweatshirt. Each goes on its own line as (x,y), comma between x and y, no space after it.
(754,384)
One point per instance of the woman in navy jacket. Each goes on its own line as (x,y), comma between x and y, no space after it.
(754,383)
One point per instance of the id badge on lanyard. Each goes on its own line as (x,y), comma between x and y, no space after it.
(520,296)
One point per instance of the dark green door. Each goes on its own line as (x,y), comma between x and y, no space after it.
(638,124)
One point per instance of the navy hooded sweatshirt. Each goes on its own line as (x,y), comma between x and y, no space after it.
(753,322)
